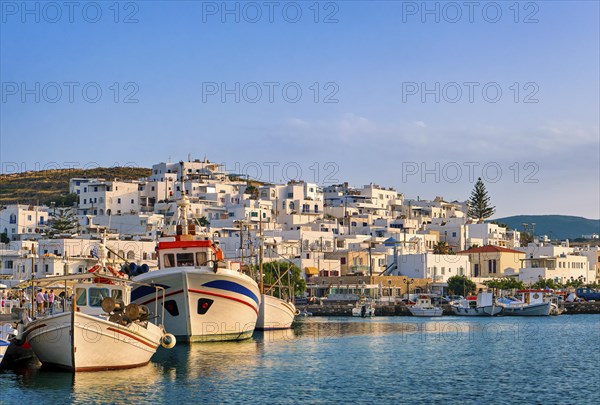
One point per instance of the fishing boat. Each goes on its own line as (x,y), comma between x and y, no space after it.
(100,330)
(274,312)
(424,307)
(526,303)
(483,305)
(206,299)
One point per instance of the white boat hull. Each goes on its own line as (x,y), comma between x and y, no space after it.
(425,312)
(275,313)
(3,348)
(541,309)
(490,310)
(201,305)
(80,342)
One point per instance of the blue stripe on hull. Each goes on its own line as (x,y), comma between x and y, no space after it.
(233,287)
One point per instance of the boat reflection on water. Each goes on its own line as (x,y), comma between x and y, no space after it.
(207,360)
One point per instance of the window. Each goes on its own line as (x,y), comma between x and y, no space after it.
(454,234)
(118,201)
(13,219)
(29,217)
(132,200)
(185,259)
(35,268)
(201,259)
(476,270)
(81,295)
(117,294)
(169,260)
(8,264)
(97,295)
(46,268)
(342,260)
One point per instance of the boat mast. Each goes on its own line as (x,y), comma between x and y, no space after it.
(260,253)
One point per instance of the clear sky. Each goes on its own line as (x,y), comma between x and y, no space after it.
(422,97)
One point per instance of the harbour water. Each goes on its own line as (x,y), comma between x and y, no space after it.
(324,360)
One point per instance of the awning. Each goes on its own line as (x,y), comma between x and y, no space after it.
(311,271)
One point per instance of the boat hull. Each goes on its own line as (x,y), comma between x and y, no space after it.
(80,342)
(541,309)
(491,310)
(201,305)
(275,313)
(3,348)
(426,312)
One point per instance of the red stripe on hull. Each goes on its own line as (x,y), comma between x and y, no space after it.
(224,296)
(133,337)
(160,298)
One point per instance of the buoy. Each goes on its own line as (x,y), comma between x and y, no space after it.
(168,341)
(143,269)
(133,269)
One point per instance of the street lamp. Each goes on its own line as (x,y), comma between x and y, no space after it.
(408,282)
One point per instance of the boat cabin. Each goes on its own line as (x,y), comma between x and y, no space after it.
(531,296)
(179,251)
(88,296)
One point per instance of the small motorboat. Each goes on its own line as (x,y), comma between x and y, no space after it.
(424,307)
(363,309)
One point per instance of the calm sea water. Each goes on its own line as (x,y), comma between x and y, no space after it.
(324,360)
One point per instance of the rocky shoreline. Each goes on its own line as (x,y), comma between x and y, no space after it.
(572,308)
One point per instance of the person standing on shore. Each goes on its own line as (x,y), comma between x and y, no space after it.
(51,301)
(39,298)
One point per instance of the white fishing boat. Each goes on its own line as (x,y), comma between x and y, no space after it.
(275,313)
(424,307)
(363,309)
(205,298)
(527,303)
(484,305)
(101,330)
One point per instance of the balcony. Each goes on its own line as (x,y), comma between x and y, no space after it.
(359,269)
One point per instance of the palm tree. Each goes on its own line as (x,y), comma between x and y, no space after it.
(441,248)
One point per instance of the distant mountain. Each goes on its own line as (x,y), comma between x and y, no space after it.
(555,226)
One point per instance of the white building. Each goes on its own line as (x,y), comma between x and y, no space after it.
(439,268)
(19,220)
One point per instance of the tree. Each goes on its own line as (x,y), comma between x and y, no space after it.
(63,222)
(64,200)
(292,283)
(4,238)
(507,283)
(202,221)
(441,248)
(479,203)
(549,283)
(461,285)
(253,191)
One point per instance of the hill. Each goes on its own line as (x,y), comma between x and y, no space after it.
(555,226)
(45,186)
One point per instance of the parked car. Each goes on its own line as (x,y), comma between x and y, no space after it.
(588,294)
(451,298)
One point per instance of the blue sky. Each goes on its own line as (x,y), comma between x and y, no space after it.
(368,56)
